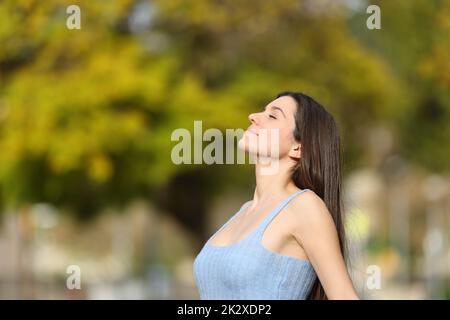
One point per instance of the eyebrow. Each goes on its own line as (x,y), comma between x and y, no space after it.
(278,108)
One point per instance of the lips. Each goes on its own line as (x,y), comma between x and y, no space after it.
(249,130)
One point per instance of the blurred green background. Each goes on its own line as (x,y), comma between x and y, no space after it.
(86,117)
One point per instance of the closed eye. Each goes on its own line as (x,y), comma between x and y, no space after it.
(271,116)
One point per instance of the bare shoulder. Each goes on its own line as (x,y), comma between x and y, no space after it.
(308,210)
(245,205)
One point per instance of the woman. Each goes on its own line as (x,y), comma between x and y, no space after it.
(288,242)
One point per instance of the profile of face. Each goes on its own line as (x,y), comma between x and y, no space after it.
(271,133)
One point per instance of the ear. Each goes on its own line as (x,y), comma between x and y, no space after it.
(296,152)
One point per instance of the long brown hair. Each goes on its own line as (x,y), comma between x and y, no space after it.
(319,167)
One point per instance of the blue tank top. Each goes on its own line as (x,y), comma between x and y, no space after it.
(247,270)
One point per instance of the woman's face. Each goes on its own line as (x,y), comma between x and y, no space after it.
(272,128)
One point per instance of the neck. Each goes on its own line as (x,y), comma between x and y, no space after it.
(272,184)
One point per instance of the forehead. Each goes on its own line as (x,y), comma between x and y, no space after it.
(286,103)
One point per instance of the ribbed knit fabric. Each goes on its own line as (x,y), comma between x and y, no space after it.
(247,270)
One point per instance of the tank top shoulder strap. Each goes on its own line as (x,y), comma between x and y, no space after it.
(277,210)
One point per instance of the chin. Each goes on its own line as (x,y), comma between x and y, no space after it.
(253,149)
(247,146)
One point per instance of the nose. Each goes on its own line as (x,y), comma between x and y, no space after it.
(252,118)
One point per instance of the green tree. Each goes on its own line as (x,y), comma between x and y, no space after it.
(86,115)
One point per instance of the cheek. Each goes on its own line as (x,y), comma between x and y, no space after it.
(285,141)
(278,139)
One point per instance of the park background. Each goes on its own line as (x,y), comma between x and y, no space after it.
(86,117)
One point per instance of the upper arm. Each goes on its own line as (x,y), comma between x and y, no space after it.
(314,228)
